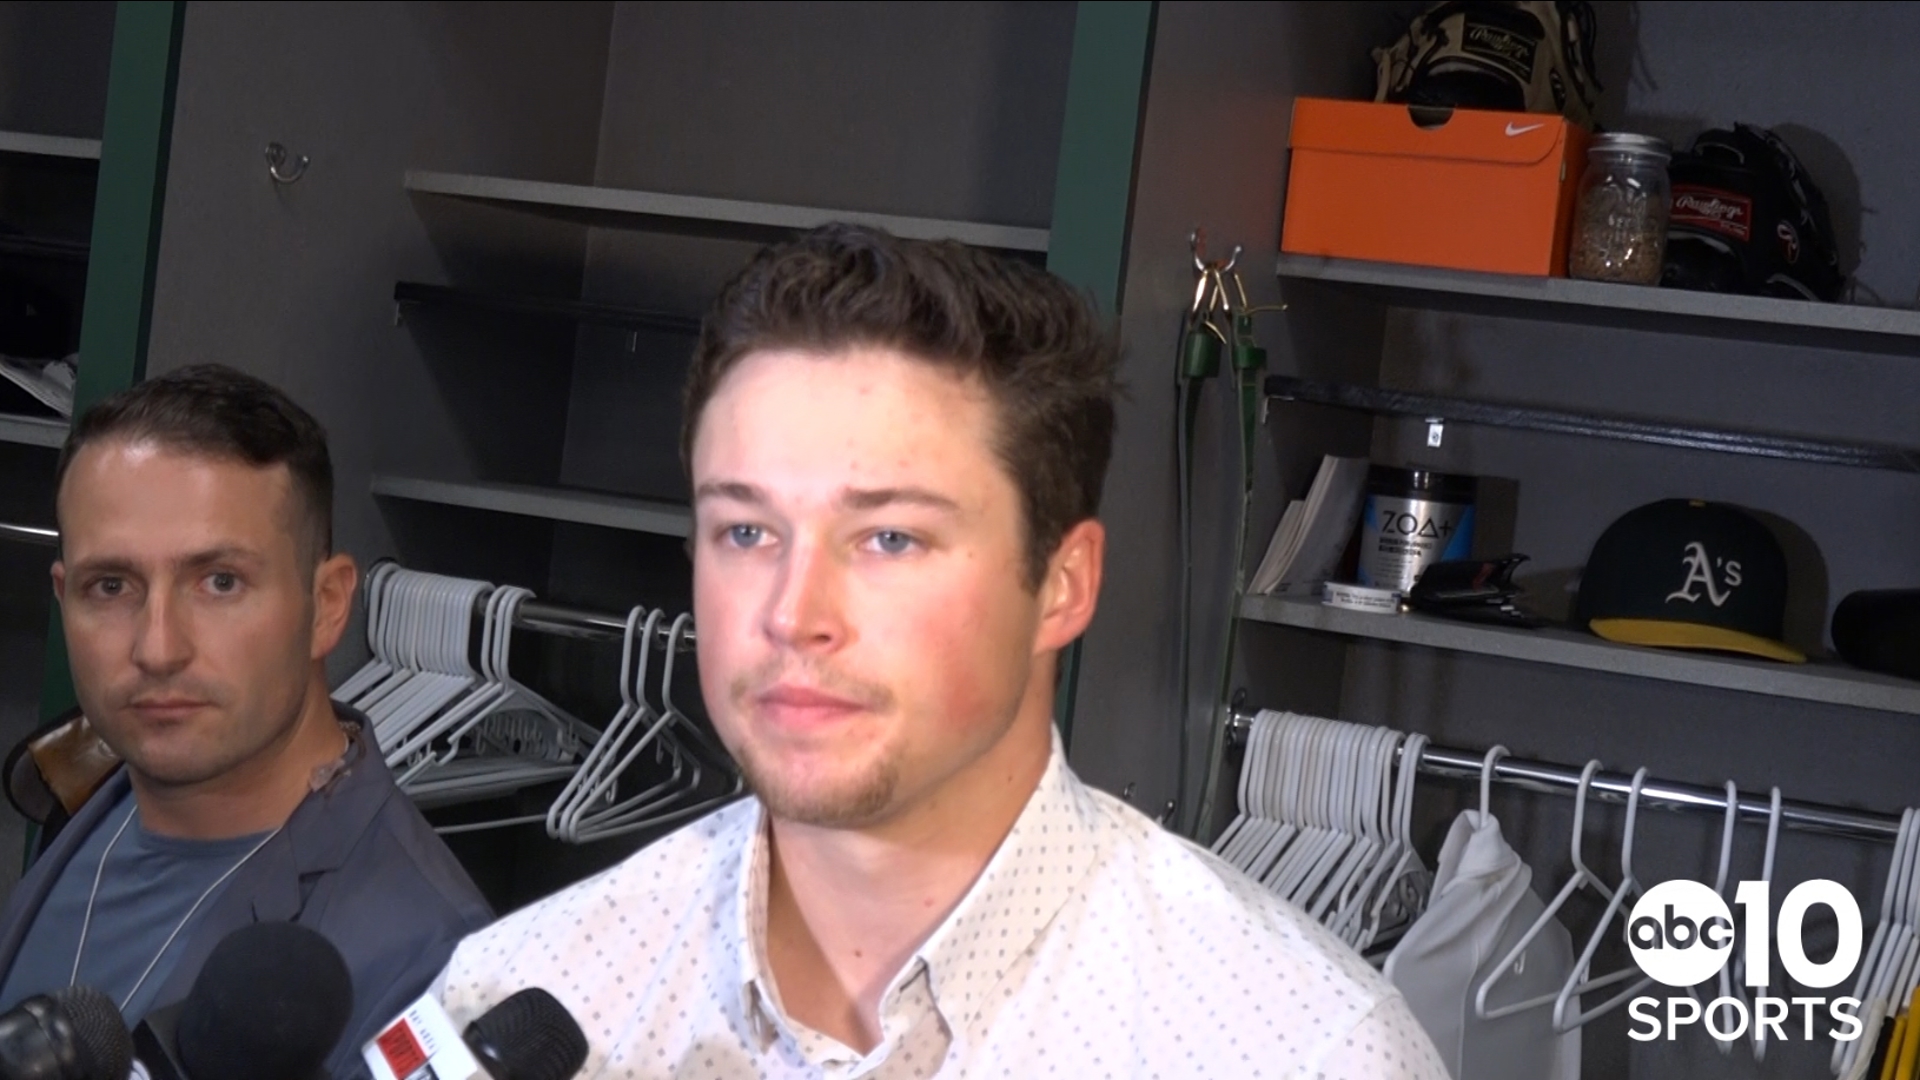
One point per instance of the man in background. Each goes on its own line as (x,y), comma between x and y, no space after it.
(200,596)
(896,451)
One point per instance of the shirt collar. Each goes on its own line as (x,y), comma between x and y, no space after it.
(1052,847)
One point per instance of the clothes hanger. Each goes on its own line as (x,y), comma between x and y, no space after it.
(1237,846)
(1351,923)
(1730,987)
(1285,750)
(1881,945)
(378,666)
(1336,783)
(1893,977)
(611,736)
(408,737)
(1577,983)
(1759,1031)
(517,740)
(1403,895)
(594,822)
(1582,878)
(1366,817)
(682,739)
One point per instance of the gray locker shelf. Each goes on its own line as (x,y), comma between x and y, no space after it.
(32,430)
(1760,318)
(54,146)
(726,216)
(1828,682)
(552,504)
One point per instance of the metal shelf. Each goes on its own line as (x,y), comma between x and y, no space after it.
(753,220)
(579,311)
(1598,303)
(53,146)
(551,504)
(33,430)
(1528,418)
(1827,683)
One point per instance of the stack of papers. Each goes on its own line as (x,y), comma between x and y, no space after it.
(48,382)
(1313,533)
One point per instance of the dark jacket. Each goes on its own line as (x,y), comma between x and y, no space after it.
(356,862)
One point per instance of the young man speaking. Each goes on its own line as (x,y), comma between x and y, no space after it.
(896,452)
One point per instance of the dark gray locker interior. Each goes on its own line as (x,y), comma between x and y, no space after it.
(945,111)
(954,111)
(1214,155)
(53,82)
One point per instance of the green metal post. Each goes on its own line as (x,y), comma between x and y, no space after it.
(1093,187)
(125,246)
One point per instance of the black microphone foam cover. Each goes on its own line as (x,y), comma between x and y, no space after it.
(271,1001)
(529,1036)
(102,1045)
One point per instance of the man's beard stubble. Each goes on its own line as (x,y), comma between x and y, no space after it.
(858,802)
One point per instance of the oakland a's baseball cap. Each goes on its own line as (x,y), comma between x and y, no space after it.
(1688,574)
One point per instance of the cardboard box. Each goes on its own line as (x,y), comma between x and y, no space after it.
(1479,191)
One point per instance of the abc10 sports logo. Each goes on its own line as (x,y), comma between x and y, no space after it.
(1682,933)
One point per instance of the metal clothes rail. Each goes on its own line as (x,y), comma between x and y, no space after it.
(1552,778)
(565,620)
(29,534)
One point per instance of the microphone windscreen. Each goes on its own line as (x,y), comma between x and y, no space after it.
(271,1001)
(529,1036)
(103,1047)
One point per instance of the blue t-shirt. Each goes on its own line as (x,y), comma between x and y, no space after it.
(147,887)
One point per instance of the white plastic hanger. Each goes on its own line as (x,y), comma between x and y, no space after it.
(1402,896)
(610,736)
(1883,944)
(591,820)
(518,739)
(378,666)
(685,744)
(1253,792)
(1366,819)
(1348,920)
(1582,878)
(1578,983)
(1730,987)
(1759,1031)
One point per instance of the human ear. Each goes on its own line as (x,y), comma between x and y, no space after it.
(333,583)
(1071,589)
(59,581)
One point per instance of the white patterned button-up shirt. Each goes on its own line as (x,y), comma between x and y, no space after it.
(1094,944)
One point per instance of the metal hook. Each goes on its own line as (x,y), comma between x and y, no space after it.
(278,166)
(1197,241)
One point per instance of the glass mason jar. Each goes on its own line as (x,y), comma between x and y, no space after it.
(1620,219)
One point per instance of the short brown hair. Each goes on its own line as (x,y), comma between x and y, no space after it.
(1044,356)
(215,411)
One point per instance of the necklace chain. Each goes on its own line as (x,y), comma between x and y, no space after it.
(86,922)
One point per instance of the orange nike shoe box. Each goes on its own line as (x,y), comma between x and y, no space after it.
(1478,191)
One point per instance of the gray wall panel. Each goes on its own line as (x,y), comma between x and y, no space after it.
(293,283)
(53,66)
(939,110)
(1213,154)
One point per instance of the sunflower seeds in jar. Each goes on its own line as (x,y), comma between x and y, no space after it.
(1620,219)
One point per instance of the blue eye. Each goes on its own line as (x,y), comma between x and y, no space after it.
(890,542)
(744,536)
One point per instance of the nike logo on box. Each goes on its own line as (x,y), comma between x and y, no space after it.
(1512,131)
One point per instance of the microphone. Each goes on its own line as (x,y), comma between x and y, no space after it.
(270,1003)
(71,1034)
(529,1036)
